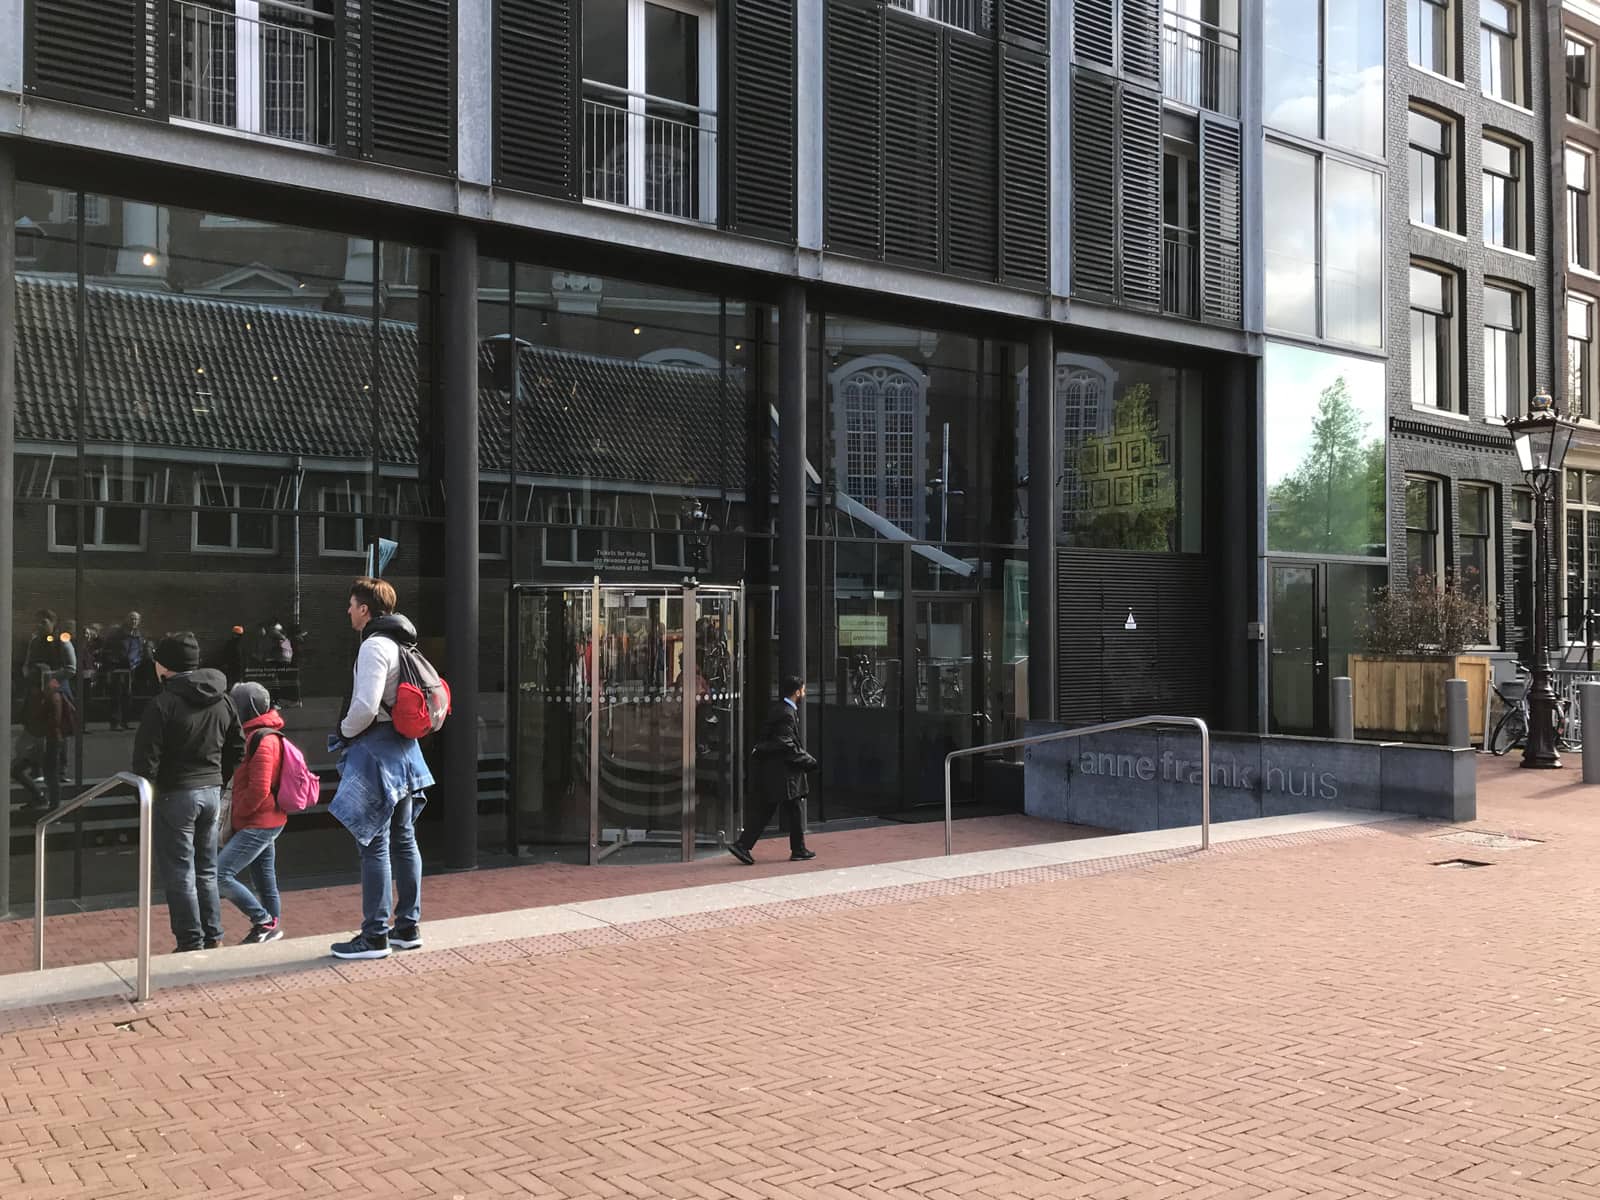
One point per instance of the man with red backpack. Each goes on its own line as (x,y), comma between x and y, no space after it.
(382,773)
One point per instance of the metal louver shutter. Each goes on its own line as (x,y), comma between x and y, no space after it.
(350,89)
(1107,672)
(852,152)
(411,83)
(761,150)
(1026,21)
(1221,287)
(1141,40)
(1094,183)
(536,96)
(971,157)
(912,115)
(1139,196)
(1025,169)
(94,52)
(1094,32)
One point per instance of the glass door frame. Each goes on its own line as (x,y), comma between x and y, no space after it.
(968,776)
(1321,679)
(690,593)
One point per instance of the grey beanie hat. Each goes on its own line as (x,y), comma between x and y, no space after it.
(250,700)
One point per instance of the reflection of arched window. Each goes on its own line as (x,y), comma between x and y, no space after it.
(879,407)
(1080,399)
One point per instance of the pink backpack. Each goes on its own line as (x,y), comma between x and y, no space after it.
(298,786)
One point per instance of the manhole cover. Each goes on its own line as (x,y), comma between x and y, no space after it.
(1461,863)
(1488,841)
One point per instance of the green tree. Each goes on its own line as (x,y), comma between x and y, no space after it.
(1333,502)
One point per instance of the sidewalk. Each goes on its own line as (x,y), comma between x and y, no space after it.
(74,938)
(1323,1014)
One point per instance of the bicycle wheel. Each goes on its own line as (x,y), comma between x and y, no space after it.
(1512,731)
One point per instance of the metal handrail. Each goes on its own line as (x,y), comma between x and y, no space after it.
(1085,731)
(147,796)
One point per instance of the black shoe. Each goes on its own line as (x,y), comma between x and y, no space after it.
(405,937)
(741,854)
(270,932)
(212,944)
(802,855)
(363,945)
(187,949)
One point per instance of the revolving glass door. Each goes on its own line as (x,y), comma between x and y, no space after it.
(628,712)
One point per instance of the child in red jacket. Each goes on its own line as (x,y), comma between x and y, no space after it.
(257,820)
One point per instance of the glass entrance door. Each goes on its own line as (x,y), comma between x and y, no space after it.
(627,725)
(1298,649)
(948,713)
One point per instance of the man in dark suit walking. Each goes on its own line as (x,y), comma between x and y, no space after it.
(781,766)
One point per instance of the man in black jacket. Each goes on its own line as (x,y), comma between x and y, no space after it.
(781,765)
(188,743)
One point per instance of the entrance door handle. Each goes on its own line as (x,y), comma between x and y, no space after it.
(1319,663)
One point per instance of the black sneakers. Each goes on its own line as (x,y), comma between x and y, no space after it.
(802,855)
(741,854)
(270,932)
(363,945)
(405,937)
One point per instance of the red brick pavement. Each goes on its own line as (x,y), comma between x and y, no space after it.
(107,934)
(1327,1016)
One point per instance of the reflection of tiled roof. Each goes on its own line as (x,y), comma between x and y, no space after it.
(165,370)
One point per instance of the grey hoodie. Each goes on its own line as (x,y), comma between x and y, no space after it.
(189,736)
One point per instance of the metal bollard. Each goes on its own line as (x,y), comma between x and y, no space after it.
(1344,709)
(1458,735)
(1589,710)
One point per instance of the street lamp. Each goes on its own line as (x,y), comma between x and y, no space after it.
(1541,439)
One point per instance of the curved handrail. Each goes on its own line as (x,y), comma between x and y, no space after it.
(1085,731)
(147,796)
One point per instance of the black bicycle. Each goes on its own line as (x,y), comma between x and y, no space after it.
(1511,731)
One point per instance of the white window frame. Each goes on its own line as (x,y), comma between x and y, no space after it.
(1449,317)
(705,14)
(1518,88)
(1587,204)
(1451,55)
(1436,568)
(564,519)
(358,503)
(1447,203)
(1517,387)
(662,525)
(95,519)
(494,504)
(1516,225)
(232,504)
(64,208)
(1587,117)
(1584,409)
(874,441)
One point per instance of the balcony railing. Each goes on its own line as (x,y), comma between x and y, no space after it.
(1180,275)
(975,16)
(271,75)
(1200,64)
(649,153)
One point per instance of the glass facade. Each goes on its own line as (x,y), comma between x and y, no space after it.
(1324,71)
(1325,453)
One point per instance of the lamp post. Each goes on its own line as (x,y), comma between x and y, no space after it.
(1541,439)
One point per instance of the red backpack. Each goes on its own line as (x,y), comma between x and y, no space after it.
(298,787)
(421,696)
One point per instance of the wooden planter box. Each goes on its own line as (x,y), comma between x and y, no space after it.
(1405,695)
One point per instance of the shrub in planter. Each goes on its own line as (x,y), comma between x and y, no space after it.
(1415,639)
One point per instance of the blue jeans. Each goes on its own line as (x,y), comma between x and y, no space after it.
(186,852)
(253,853)
(398,842)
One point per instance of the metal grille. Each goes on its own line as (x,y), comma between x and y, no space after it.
(645,152)
(259,75)
(974,16)
(1180,280)
(1200,64)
